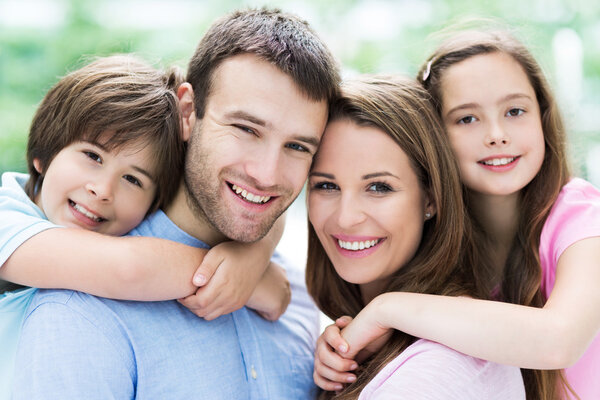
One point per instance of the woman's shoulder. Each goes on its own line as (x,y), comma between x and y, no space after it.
(430,370)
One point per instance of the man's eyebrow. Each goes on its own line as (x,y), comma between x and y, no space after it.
(239,114)
(311,140)
(321,174)
(378,174)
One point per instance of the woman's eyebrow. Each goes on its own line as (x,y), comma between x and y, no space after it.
(378,174)
(321,174)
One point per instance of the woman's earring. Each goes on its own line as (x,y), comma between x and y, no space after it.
(427,215)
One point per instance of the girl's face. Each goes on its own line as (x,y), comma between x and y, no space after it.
(89,187)
(492,115)
(365,203)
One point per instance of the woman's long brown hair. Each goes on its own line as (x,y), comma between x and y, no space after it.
(401,108)
(522,271)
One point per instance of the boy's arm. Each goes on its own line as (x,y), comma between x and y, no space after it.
(243,275)
(552,337)
(128,268)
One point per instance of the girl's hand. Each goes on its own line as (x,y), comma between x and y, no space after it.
(366,333)
(226,278)
(331,367)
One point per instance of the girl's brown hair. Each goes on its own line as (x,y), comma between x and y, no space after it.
(114,101)
(400,108)
(522,272)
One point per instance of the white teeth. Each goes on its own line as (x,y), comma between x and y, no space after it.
(253,198)
(357,245)
(86,212)
(499,161)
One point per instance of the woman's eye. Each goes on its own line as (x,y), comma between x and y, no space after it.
(515,112)
(325,186)
(467,120)
(93,156)
(133,180)
(379,187)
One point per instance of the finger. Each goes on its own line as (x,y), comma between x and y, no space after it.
(326,384)
(190,303)
(331,375)
(207,269)
(343,321)
(333,337)
(325,355)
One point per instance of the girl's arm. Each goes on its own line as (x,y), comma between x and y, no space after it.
(235,274)
(552,337)
(128,268)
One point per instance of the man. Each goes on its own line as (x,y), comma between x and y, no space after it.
(253,113)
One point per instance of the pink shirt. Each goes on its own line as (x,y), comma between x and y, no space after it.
(574,216)
(431,371)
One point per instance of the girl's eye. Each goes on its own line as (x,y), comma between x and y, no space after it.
(515,112)
(328,186)
(469,119)
(93,156)
(132,179)
(380,187)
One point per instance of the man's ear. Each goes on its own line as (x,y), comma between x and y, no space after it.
(185,93)
(37,164)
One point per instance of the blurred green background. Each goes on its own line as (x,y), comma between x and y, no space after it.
(41,40)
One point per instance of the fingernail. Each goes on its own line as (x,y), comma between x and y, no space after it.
(351,378)
(343,348)
(339,387)
(353,366)
(199,280)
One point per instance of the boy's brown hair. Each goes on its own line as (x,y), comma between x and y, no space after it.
(115,101)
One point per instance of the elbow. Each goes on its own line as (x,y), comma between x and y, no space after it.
(564,348)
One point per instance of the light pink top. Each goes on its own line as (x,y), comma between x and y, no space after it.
(431,371)
(574,216)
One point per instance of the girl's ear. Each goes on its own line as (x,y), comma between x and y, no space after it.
(430,207)
(37,165)
(185,93)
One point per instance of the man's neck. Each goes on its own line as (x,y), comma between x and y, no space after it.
(191,219)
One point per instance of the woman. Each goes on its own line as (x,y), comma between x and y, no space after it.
(386,214)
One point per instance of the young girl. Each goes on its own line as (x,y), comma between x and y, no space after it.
(386,214)
(104,151)
(539,226)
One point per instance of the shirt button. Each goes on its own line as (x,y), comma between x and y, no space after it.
(253,372)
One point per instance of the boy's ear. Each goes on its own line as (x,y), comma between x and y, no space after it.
(37,165)
(185,93)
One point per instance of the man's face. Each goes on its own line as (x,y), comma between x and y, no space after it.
(248,157)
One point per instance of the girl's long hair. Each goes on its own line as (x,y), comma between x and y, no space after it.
(522,272)
(400,108)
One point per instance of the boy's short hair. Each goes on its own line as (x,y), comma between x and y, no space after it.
(115,101)
(279,38)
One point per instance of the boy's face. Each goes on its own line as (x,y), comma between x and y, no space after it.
(248,157)
(86,186)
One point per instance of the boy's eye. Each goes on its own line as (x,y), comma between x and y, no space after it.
(379,187)
(93,156)
(515,112)
(328,186)
(467,120)
(297,147)
(132,179)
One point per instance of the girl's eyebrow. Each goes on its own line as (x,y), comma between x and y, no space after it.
(379,174)
(321,174)
(511,96)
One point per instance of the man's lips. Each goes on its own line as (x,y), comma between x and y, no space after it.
(249,195)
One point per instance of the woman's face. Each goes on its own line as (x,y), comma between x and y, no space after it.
(365,204)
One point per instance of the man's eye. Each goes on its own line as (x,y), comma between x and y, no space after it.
(245,129)
(133,180)
(93,156)
(380,187)
(515,112)
(467,120)
(297,147)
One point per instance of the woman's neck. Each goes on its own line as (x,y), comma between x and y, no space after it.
(499,217)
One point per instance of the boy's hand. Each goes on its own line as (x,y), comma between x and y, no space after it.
(331,368)
(272,294)
(227,277)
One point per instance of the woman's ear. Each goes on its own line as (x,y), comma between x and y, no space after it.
(185,93)
(430,207)
(37,164)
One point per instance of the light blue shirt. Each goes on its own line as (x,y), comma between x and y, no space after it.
(74,346)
